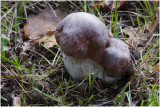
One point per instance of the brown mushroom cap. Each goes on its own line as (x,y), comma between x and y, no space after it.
(116,58)
(81,35)
(84,38)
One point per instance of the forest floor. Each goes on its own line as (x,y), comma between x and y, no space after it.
(32,69)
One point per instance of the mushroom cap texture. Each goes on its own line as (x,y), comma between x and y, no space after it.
(81,35)
(84,38)
(116,58)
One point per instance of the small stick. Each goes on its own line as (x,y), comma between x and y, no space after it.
(75,5)
(130,45)
(52,10)
(7,12)
(131,19)
(40,55)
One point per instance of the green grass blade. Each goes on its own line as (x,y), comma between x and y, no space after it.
(142,103)
(94,78)
(129,97)
(155,56)
(112,21)
(46,74)
(25,12)
(148,10)
(90,81)
(5,7)
(90,98)
(3,98)
(81,4)
(62,93)
(14,63)
(10,27)
(20,8)
(123,94)
(47,95)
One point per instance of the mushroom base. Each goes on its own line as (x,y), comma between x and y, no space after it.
(79,68)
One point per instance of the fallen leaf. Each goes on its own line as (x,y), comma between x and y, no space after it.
(151,25)
(136,37)
(131,32)
(156,67)
(26,46)
(95,5)
(113,3)
(43,24)
(48,41)
(16,101)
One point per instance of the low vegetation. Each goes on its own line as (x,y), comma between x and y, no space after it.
(32,70)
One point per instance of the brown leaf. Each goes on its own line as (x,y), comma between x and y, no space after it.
(113,3)
(43,24)
(151,25)
(95,5)
(136,37)
(48,41)
(131,32)
(156,67)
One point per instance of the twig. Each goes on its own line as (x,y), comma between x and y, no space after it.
(15,79)
(131,19)
(76,86)
(130,45)
(75,5)
(52,10)
(149,36)
(55,57)
(40,55)
(7,12)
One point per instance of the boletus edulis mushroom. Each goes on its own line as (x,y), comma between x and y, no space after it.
(86,44)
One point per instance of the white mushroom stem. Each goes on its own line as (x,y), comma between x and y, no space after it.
(79,68)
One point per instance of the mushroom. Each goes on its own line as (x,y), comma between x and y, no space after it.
(86,44)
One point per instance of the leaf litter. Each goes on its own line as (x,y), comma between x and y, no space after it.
(107,92)
(139,38)
(40,28)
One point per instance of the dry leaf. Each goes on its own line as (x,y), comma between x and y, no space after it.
(26,46)
(43,24)
(113,3)
(16,101)
(131,32)
(95,5)
(48,41)
(156,67)
(136,37)
(151,25)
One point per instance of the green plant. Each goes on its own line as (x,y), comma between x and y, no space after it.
(4,42)
(49,96)
(128,94)
(90,86)
(90,98)
(152,98)
(150,10)
(115,20)
(91,82)
(120,98)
